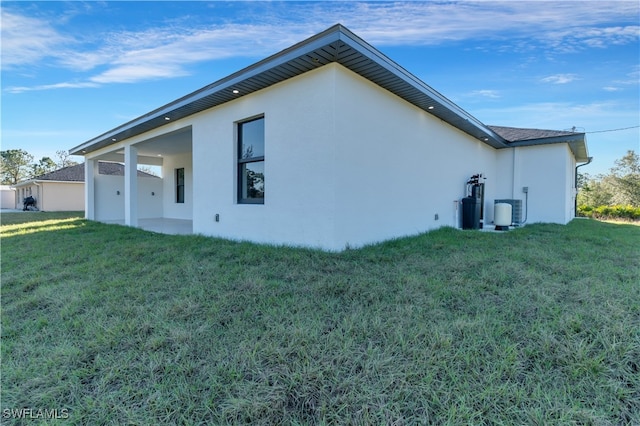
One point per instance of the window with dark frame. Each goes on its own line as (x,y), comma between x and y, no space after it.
(180,185)
(251,161)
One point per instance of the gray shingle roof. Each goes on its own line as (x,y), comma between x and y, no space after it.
(515,134)
(65,174)
(76,173)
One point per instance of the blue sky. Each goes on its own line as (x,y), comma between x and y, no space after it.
(73,70)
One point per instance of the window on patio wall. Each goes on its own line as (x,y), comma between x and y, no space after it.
(180,185)
(251,161)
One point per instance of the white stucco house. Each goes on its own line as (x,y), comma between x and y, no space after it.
(7,197)
(63,190)
(327,144)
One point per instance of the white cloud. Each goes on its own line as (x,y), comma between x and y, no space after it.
(559,115)
(168,51)
(133,73)
(493,94)
(22,89)
(27,40)
(632,78)
(558,25)
(161,54)
(560,78)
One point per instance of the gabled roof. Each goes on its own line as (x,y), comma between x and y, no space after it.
(75,173)
(334,45)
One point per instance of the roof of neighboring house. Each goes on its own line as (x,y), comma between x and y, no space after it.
(75,173)
(334,45)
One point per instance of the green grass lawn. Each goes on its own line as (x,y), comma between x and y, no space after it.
(116,325)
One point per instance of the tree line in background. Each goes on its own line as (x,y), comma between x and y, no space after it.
(17,165)
(615,195)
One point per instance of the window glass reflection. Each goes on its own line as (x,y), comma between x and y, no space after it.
(252,139)
(253,180)
(251,161)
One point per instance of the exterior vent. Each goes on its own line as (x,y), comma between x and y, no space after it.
(516,210)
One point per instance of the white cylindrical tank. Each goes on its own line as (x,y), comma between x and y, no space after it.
(502,215)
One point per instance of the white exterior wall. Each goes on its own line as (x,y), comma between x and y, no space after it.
(505,185)
(150,198)
(548,171)
(109,197)
(172,209)
(8,200)
(109,204)
(571,192)
(398,166)
(299,165)
(346,163)
(61,196)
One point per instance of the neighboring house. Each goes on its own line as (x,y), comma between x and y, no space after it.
(329,144)
(63,189)
(7,197)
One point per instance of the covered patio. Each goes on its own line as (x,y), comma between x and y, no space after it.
(136,200)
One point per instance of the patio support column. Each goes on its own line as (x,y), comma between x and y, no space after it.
(130,186)
(90,169)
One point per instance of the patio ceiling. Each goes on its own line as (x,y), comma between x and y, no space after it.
(153,150)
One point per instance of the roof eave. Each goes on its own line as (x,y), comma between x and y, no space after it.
(227,83)
(39,181)
(309,54)
(577,143)
(462,120)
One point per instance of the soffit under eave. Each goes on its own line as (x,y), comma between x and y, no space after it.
(334,45)
(580,151)
(251,79)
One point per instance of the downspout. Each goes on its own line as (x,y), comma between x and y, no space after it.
(513,173)
(575,201)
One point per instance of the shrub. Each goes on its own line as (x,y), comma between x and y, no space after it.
(610,212)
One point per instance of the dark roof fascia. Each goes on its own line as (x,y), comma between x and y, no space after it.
(41,181)
(245,80)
